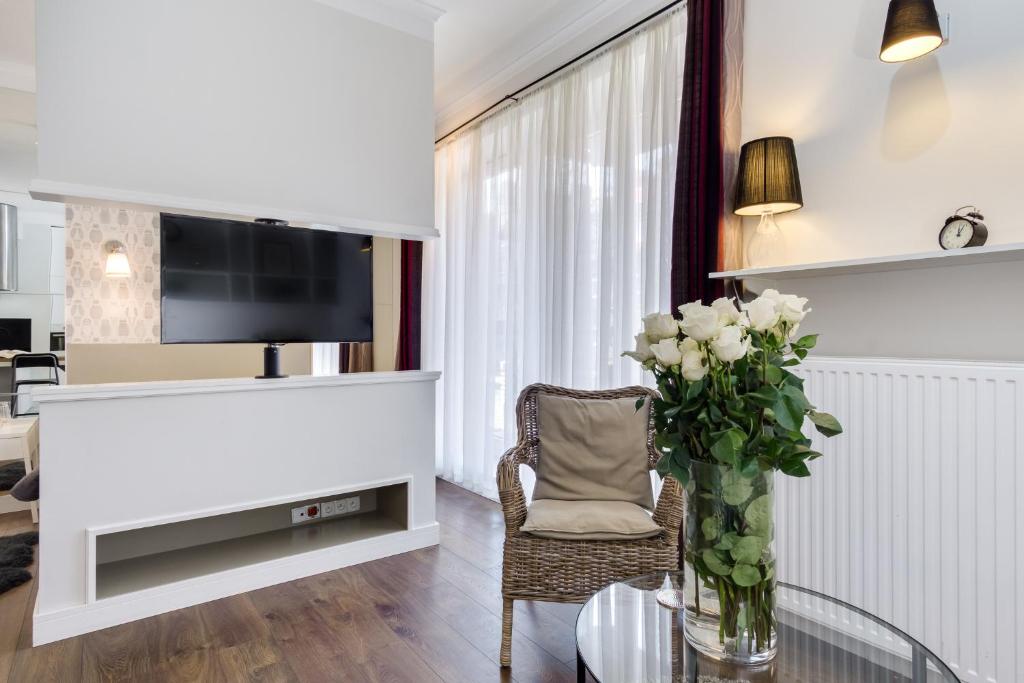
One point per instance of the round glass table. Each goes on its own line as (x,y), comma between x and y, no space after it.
(624,636)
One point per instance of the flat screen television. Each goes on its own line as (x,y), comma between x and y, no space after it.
(225,281)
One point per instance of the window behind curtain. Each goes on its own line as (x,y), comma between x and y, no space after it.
(555,219)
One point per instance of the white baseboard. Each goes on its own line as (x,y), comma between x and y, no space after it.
(74,621)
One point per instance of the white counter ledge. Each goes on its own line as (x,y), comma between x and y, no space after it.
(95,392)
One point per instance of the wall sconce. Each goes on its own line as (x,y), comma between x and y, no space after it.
(768,183)
(117,260)
(912,30)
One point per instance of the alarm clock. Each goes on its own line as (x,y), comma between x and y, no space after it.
(963,230)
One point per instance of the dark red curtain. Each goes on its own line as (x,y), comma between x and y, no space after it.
(408,355)
(698,198)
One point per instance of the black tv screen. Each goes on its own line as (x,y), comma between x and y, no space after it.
(231,281)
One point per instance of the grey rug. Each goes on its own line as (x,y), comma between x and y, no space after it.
(11,474)
(16,553)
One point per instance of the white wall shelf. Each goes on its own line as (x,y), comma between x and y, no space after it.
(995,253)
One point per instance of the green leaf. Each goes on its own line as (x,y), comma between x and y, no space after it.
(750,468)
(795,466)
(716,565)
(728,445)
(772,374)
(668,440)
(800,354)
(664,465)
(680,474)
(693,389)
(745,575)
(806,342)
(825,423)
(639,403)
(735,489)
(758,515)
(710,528)
(788,416)
(796,398)
(728,540)
(748,549)
(764,396)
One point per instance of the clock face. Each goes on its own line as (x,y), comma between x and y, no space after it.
(956,234)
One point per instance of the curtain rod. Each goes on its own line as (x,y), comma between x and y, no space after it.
(564,66)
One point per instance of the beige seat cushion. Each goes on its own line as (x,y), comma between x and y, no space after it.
(593,449)
(589,520)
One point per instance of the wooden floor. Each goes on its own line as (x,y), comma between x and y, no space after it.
(429,615)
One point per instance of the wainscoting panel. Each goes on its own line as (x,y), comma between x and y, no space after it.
(916,513)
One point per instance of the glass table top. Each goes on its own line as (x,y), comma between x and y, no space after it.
(624,636)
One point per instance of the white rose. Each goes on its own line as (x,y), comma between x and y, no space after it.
(701,323)
(686,308)
(667,352)
(728,314)
(762,313)
(688,345)
(658,326)
(643,352)
(772,294)
(791,308)
(730,345)
(793,330)
(693,366)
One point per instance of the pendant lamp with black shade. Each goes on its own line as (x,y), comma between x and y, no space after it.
(768,183)
(912,30)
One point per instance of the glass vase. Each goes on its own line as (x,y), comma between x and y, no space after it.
(729,564)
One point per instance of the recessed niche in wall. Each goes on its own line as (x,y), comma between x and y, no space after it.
(148,557)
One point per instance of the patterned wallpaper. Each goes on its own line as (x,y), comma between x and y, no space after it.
(102,310)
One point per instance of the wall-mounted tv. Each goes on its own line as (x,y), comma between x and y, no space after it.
(232,281)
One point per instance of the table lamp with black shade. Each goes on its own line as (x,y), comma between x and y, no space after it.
(768,183)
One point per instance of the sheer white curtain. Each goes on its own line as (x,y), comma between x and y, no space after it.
(555,219)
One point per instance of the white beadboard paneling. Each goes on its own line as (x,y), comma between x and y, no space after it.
(914,514)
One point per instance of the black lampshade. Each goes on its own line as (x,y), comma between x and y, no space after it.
(911,30)
(768,179)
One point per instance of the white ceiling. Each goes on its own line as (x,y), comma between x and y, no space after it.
(486,49)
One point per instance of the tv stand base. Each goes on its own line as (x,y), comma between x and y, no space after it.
(271,362)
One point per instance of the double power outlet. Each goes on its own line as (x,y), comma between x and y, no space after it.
(329,508)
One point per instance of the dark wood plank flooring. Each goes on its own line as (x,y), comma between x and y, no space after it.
(429,615)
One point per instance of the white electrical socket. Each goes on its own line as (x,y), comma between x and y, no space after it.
(353,504)
(328,509)
(306,513)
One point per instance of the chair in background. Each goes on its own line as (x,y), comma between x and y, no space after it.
(587,526)
(25,361)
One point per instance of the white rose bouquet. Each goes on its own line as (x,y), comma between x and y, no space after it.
(731,413)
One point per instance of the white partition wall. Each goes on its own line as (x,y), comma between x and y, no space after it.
(206,472)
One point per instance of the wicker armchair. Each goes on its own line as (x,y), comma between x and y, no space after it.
(537,568)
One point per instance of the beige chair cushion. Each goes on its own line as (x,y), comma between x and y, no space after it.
(589,520)
(593,449)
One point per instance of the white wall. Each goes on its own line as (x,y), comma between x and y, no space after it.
(40,294)
(888,151)
(291,104)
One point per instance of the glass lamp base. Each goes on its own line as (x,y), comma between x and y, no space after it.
(767,246)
